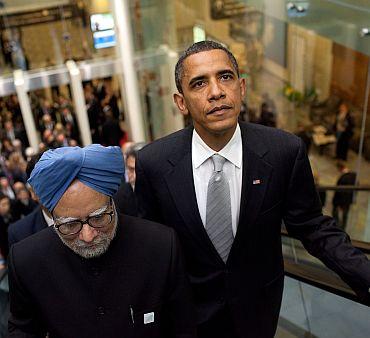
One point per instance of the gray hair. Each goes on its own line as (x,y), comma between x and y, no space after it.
(199,47)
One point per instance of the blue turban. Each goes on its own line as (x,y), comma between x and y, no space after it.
(100,168)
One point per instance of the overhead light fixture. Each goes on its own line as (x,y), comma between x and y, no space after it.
(297,9)
(365,31)
(290,6)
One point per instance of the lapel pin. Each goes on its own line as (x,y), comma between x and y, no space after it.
(256,182)
(148,317)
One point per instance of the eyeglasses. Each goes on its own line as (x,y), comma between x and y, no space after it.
(97,221)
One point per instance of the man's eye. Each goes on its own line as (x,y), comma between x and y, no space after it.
(226,76)
(98,217)
(198,84)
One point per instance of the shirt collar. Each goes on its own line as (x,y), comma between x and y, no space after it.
(232,151)
(49,221)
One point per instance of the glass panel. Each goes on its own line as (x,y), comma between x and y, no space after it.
(155,44)
(307,311)
(76,30)
(54,116)
(105,111)
(12,126)
(363,164)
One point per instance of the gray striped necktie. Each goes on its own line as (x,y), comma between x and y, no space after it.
(218,212)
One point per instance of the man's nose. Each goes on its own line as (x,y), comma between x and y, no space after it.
(87,233)
(216,91)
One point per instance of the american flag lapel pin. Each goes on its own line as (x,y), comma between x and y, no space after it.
(256,182)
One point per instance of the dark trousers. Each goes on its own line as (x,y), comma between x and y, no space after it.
(342,147)
(219,326)
(341,221)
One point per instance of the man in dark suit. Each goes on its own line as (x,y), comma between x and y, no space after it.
(27,226)
(226,188)
(95,273)
(342,200)
(35,221)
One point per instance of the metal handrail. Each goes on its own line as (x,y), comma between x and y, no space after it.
(321,277)
(343,187)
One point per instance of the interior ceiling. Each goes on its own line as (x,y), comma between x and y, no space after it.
(16,6)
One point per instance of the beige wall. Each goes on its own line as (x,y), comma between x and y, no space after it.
(323,66)
(309,60)
(44,44)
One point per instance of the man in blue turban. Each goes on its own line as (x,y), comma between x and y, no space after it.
(95,273)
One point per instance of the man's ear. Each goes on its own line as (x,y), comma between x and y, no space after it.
(179,100)
(242,87)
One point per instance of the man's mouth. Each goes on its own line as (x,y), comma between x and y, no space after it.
(218,109)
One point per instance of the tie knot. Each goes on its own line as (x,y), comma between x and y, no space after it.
(218,162)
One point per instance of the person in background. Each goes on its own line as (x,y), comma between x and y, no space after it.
(6,218)
(304,134)
(344,125)
(5,187)
(6,147)
(342,200)
(17,167)
(23,204)
(125,198)
(37,220)
(111,130)
(131,155)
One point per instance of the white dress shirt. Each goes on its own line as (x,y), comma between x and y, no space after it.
(203,169)
(49,221)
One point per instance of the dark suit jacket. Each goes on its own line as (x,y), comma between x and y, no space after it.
(344,198)
(251,282)
(26,226)
(54,290)
(125,200)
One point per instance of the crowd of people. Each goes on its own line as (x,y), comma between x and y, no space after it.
(57,123)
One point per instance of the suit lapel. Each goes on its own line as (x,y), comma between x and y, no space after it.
(255,178)
(180,183)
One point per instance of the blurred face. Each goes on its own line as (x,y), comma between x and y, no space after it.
(8,125)
(4,182)
(60,138)
(47,134)
(4,206)
(130,166)
(18,186)
(23,195)
(47,118)
(343,109)
(78,203)
(212,94)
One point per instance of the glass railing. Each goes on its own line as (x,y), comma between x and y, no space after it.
(316,302)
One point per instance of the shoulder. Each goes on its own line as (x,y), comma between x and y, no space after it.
(267,133)
(277,140)
(24,224)
(35,247)
(165,145)
(149,234)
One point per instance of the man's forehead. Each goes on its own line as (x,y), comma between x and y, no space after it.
(206,62)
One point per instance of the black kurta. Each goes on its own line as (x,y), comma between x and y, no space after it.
(140,277)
